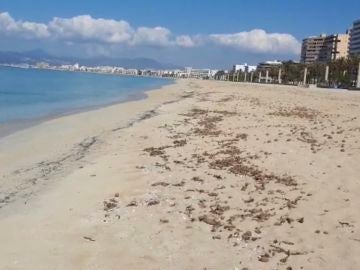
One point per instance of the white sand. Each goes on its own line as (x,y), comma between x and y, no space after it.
(257,177)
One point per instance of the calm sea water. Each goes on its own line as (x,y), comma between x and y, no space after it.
(27,94)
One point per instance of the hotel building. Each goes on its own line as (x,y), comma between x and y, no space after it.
(323,49)
(354,48)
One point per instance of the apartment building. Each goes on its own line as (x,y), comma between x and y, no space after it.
(323,49)
(354,47)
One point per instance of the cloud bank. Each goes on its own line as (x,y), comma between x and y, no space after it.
(258,41)
(86,29)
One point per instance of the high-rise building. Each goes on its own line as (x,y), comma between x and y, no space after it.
(354,48)
(323,49)
(335,47)
(311,48)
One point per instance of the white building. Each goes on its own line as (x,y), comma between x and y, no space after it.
(269,64)
(213,72)
(197,73)
(244,68)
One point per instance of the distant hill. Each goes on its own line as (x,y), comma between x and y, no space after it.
(35,56)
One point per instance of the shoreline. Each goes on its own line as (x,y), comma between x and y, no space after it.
(239,171)
(43,134)
(10,127)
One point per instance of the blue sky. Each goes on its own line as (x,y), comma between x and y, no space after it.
(187,32)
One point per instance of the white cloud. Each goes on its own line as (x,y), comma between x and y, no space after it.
(185,41)
(107,32)
(157,36)
(259,41)
(9,26)
(85,28)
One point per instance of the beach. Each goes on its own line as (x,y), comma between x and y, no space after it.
(200,175)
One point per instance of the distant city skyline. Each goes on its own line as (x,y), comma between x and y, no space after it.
(197,33)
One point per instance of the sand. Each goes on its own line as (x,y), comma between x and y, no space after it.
(201,175)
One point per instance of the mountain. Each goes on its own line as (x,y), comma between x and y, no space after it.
(35,56)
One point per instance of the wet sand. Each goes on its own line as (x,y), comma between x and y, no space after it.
(201,175)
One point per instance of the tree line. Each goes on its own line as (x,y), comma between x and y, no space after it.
(342,73)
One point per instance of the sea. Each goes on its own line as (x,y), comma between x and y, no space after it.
(27,95)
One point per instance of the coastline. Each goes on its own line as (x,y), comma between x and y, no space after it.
(241,172)
(45,131)
(10,127)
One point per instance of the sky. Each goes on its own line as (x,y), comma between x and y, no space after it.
(198,33)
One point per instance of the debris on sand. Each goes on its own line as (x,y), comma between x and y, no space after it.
(89,238)
(180,184)
(264,258)
(209,220)
(246,236)
(179,143)
(242,136)
(298,111)
(249,200)
(164,221)
(244,187)
(152,201)
(156,151)
(163,184)
(132,204)
(300,220)
(345,224)
(108,205)
(218,209)
(265,196)
(284,219)
(197,179)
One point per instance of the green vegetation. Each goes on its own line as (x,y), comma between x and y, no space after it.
(342,73)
